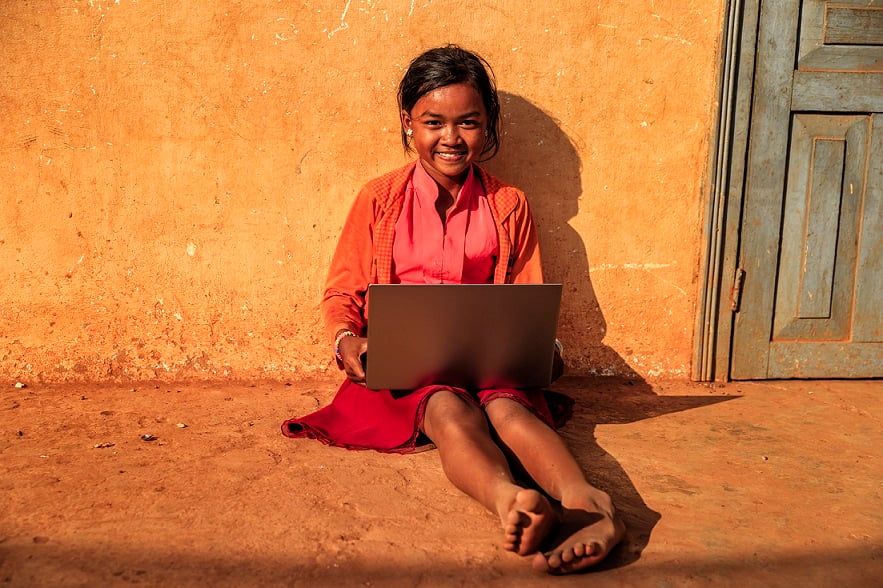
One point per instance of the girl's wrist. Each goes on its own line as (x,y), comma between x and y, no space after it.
(340,336)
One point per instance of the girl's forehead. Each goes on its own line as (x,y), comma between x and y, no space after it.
(455,97)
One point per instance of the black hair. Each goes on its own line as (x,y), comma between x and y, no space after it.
(444,66)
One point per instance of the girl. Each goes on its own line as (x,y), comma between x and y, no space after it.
(443,219)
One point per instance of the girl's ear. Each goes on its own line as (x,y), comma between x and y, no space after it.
(406,120)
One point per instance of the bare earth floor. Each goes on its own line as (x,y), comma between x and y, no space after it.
(743,484)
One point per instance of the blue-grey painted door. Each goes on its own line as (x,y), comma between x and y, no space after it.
(811,250)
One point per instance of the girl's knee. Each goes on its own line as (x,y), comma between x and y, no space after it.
(447,413)
(505,412)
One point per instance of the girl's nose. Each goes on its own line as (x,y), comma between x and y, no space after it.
(452,134)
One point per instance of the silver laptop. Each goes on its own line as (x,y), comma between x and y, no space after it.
(473,336)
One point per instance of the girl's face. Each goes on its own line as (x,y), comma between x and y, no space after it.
(448,126)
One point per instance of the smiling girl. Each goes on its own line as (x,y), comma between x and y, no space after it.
(443,219)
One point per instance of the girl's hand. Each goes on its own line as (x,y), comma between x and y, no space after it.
(351,351)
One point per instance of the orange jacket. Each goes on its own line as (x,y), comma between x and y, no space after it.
(364,251)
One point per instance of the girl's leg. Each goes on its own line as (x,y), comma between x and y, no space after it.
(589,517)
(476,465)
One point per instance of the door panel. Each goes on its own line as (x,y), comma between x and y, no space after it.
(820,229)
(869,273)
(811,225)
(827,307)
(839,37)
(853,25)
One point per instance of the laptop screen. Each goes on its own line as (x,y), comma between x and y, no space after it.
(474,336)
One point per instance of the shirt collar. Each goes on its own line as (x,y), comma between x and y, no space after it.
(427,189)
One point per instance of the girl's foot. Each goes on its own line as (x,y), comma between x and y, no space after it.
(528,522)
(590,528)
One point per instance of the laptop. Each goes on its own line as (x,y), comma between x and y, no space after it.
(473,336)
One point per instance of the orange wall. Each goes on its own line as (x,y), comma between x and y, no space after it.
(174,175)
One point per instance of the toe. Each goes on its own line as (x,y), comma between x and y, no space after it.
(554,559)
(540,563)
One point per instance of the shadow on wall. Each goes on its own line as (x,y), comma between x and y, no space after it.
(538,157)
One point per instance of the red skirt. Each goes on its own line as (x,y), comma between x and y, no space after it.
(389,422)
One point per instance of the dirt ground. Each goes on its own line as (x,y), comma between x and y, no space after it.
(765,484)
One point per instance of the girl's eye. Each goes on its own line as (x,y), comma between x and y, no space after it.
(469,124)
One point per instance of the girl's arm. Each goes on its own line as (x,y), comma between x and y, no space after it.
(527,267)
(343,303)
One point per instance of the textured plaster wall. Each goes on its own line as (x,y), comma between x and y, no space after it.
(174,174)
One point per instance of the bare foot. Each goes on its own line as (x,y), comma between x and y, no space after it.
(529,521)
(590,528)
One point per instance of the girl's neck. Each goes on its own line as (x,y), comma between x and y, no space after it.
(444,203)
(451,185)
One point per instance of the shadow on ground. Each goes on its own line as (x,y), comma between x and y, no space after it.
(153,565)
(615,401)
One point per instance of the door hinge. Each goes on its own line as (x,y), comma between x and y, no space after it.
(736,290)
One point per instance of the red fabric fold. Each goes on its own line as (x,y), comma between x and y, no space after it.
(387,422)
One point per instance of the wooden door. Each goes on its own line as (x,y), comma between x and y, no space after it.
(811,252)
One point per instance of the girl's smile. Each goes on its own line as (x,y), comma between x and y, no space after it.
(447,127)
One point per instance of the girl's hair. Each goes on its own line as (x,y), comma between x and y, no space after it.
(449,65)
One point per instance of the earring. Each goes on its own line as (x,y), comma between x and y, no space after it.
(409,132)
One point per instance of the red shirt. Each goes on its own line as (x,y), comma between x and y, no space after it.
(460,251)
(364,251)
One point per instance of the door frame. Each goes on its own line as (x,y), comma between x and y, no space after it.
(720,279)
